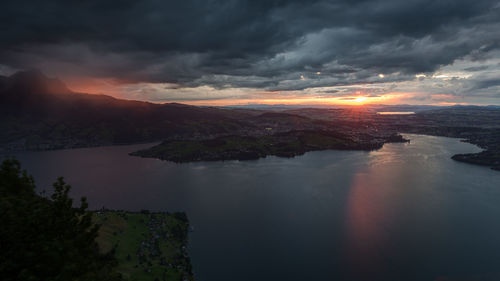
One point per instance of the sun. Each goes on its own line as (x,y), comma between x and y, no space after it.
(360,99)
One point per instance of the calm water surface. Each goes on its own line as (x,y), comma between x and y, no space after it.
(404,212)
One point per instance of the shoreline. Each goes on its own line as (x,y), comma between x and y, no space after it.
(287,145)
(486,157)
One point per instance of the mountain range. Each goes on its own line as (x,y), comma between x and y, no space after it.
(38,112)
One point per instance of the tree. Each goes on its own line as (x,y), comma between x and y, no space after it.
(46,238)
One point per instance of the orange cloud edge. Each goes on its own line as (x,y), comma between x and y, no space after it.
(112,88)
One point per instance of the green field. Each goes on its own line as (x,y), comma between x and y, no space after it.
(147,246)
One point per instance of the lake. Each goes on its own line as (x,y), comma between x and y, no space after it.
(404,212)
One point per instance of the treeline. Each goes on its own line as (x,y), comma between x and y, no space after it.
(45,237)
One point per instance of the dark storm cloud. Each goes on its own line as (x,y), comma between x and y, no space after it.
(263,44)
(485,83)
(476,68)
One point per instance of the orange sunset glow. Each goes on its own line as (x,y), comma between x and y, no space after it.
(354,100)
(93,85)
(165,95)
(390,98)
(322,140)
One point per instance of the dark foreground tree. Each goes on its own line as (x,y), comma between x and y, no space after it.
(46,238)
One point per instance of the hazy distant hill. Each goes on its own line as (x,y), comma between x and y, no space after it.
(464,116)
(37,112)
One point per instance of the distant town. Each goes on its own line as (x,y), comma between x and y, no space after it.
(39,113)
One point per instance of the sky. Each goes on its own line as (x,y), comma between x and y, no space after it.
(209,52)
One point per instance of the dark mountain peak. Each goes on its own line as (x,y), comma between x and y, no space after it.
(32,73)
(30,92)
(33,81)
(3,81)
(175,104)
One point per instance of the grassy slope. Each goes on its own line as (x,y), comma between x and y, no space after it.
(132,236)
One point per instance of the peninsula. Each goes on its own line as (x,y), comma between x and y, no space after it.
(235,147)
(41,113)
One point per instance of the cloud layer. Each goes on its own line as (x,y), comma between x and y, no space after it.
(261,45)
